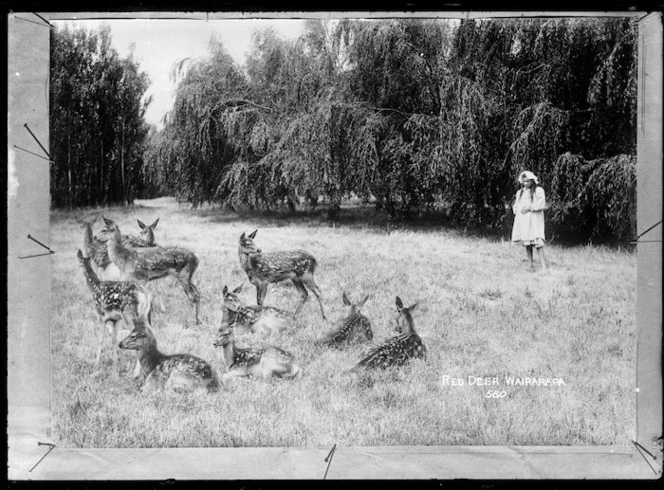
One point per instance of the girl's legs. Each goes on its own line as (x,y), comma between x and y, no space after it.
(540,255)
(529,253)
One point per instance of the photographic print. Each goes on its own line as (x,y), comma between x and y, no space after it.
(312,233)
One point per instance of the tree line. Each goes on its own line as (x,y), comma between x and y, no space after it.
(98,134)
(413,115)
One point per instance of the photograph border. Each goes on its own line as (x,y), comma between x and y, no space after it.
(32,455)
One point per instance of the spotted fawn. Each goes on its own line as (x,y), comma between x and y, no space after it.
(179,373)
(398,350)
(148,264)
(257,319)
(257,363)
(114,300)
(265,268)
(97,251)
(354,327)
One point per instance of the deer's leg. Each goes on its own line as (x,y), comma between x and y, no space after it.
(190,290)
(114,342)
(100,339)
(308,280)
(261,292)
(235,373)
(303,294)
(197,301)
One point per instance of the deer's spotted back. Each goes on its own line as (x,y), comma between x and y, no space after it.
(112,295)
(160,260)
(282,263)
(246,357)
(396,351)
(354,328)
(183,364)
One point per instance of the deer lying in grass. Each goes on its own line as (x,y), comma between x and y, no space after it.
(180,373)
(114,300)
(147,264)
(257,363)
(97,251)
(258,319)
(265,268)
(398,350)
(354,327)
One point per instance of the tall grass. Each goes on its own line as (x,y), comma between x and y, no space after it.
(480,312)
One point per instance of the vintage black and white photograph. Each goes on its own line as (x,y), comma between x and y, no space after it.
(318,232)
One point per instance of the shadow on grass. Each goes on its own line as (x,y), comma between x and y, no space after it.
(352,215)
(355,216)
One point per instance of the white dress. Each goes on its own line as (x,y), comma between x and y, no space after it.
(528,228)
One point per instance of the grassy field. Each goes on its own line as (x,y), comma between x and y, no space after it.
(481,314)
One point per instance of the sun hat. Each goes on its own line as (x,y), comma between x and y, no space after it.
(527,174)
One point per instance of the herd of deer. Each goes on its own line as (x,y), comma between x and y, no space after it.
(118,268)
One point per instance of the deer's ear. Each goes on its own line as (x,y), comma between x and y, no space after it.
(412,307)
(243,236)
(79,254)
(346,300)
(141,224)
(362,301)
(237,289)
(107,221)
(154,225)
(253,234)
(225,290)
(399,303)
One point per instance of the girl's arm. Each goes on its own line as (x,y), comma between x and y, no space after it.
(539,200)
(516,200)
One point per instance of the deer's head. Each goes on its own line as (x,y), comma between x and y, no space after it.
(232,304)
(147,232)
(354,308)
(81,259)
(247,245)
(138,338)
(404,320)
(110,230)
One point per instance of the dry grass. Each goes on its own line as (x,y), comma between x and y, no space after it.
(480,313)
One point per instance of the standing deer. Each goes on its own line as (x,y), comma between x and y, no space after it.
(114,300)
(97,251)
(354,327)
(176,373)
(258,319)
(398,350)
(265,268)
(257,363)
(147,264)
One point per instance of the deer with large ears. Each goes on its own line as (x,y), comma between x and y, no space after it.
(114,300)
(257,319)
(265,268)
(254,362)
(179,373)
(399,350)
(147,264)
(354,327)
(98,253)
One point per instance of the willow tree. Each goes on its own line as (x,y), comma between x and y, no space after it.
(413,113)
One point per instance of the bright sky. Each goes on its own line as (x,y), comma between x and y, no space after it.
(160,43)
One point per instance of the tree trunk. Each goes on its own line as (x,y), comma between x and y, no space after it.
(122,166)
(69,196)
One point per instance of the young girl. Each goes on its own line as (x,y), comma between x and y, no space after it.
(528,210)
